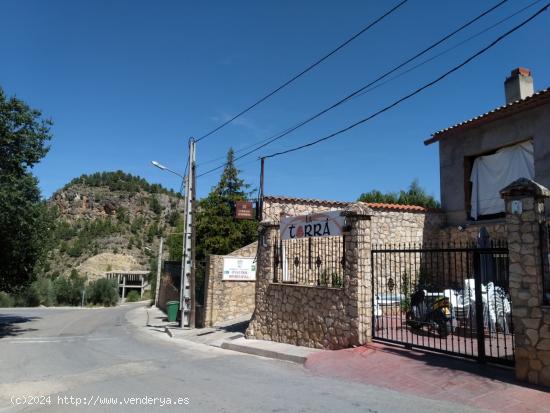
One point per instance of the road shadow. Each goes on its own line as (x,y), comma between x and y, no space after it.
(239,327)
(14,325)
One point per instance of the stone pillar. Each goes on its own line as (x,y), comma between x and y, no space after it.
(524,201)
(269,235)
(357,272)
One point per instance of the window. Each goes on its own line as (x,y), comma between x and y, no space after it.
(491,173)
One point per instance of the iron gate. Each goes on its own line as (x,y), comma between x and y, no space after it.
(452,299)
(311,261)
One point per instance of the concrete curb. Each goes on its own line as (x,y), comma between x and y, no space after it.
(264,352)
(236,342)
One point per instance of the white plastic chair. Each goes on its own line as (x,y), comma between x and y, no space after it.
(499,308)
(465,307)
(377,312)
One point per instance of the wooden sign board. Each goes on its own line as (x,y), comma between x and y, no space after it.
(244,210)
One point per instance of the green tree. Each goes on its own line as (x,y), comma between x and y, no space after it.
(102,292)
(217,231)
(25,222)
(68,290)
(120,181)
(415,195)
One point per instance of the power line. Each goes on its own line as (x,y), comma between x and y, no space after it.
(450,48)
(420,89)
(284,133)
(303,72)
(243,148)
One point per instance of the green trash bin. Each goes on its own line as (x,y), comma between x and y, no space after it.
(172,308)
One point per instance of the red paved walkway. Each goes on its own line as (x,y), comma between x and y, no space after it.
(432,376)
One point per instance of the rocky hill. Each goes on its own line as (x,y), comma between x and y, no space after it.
(110,221)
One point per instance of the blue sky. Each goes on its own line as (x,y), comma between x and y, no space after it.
(128,82)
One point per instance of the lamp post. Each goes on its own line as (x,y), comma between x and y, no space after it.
(164,168)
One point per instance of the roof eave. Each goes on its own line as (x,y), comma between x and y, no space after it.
(538,99)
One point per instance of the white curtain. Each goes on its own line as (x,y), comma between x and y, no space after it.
(493,172)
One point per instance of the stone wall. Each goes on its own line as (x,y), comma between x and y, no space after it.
(227,300)
(468,234)
(397,227)
(275,206)
(321,317)
(391,223)
(531,317)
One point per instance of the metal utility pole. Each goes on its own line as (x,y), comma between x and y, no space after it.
(193,242)
(159,265)
(261,201)
(187,293)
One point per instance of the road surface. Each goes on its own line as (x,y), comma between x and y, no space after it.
(70,359)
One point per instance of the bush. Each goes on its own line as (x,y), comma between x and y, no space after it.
(68,291)
(133,296)
(102,292)
(20,300)
(6,300)
(155,206)
(40,292)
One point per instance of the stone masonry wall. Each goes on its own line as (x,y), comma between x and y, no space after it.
(321,317)
(452,234)
(227,300)
(531,317)
(303,316)
(275,207)
(394,227)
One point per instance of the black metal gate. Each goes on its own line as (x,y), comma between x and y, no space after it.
(452,299)
(312,261)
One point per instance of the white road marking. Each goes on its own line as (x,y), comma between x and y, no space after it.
(37,340)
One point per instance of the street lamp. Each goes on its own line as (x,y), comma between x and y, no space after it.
(164,168)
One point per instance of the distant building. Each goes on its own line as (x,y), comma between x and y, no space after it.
(130,280)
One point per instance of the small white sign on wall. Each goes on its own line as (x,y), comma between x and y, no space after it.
(239,269)
(517,207)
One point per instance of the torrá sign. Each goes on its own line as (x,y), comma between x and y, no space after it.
(322,224)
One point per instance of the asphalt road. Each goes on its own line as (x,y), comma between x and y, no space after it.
(58,358)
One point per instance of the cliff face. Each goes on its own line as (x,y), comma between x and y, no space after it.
(113,222)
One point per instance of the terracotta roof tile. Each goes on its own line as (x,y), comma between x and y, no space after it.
(291,200)
(537,99)
(320,202)
(396,207)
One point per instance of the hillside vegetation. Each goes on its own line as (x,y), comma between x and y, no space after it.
(109,221)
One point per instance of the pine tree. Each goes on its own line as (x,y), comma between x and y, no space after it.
(217,231)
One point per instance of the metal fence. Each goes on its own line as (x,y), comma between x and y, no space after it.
(312,261)
(450,298)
